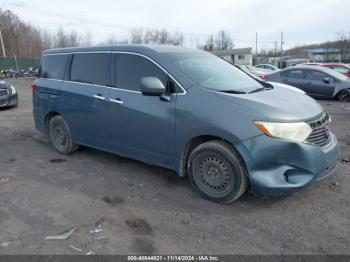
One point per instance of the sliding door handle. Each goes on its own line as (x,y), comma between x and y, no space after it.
(98,96)
(117,101)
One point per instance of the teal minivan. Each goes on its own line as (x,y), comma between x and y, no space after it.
(186,110)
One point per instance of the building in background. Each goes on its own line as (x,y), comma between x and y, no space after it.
(324,54)
(239,56)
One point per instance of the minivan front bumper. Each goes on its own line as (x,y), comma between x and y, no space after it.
(279,167)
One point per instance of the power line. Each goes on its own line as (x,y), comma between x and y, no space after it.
(88,21)
(114,26)
(65,17)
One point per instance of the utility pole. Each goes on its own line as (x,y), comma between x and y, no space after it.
(16,62)
(2,45)
(281,49)
(275,42)
(256,47)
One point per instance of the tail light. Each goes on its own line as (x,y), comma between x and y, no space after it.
(34,86)
(263,77)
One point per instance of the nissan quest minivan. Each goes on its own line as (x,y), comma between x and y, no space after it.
(186,110)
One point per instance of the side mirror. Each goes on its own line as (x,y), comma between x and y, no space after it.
(152,86)
(326,80)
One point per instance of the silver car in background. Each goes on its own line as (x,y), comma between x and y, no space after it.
(8,95)
(316,81)
(260,72)
(267,66)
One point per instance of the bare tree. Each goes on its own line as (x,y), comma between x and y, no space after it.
(177,38)
(343,43)
(47,39)
(136,35)
(151,36)
(162,37)
(209,43)
(113,40)
(223,40)
(61,39)
(86,39)
(73,39)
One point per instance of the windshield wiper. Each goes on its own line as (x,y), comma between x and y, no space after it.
(233,91)
(261,89)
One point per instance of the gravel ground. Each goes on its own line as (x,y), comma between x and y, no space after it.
(145,209)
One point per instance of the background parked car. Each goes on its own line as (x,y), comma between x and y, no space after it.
(267,66)
(339,67)
(8,95)
(247,70)
(316,81)
(260,72)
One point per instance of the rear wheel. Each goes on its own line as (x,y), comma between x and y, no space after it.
(217,171)
(344,95)
(60,136)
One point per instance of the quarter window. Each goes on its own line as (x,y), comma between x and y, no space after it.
(53,66)
(131,68)
(91,68)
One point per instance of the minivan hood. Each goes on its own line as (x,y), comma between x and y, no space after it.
(279,104)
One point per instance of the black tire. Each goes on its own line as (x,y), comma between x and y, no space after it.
(344,95)
(60,136)
(217,172)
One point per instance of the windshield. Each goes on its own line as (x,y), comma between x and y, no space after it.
(212,72)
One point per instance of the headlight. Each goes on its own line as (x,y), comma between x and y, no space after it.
(13,90)
(293,131)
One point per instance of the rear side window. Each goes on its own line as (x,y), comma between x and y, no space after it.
(90,68)
(53,66)
(131,68)
(316,76)
(293,74)
(342,70)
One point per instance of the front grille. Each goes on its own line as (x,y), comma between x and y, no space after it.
(3,92)
(320,134)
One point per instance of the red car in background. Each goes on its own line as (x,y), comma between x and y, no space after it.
(341,68)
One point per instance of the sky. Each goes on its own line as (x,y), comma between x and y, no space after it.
(301,21)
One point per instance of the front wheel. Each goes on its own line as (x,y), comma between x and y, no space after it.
(60,136)
(217,171)
(344,95)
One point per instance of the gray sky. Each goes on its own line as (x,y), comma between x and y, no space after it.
(302,21)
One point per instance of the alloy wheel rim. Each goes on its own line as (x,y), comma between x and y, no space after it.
(343,95)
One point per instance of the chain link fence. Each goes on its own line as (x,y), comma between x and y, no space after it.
(9,63)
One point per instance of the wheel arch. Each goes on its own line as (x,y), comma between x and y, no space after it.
(196,141)
(48,116)
(340,90)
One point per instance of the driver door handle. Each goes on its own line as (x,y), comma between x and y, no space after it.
(117,101)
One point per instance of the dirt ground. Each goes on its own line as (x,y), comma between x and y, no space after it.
(145,209)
